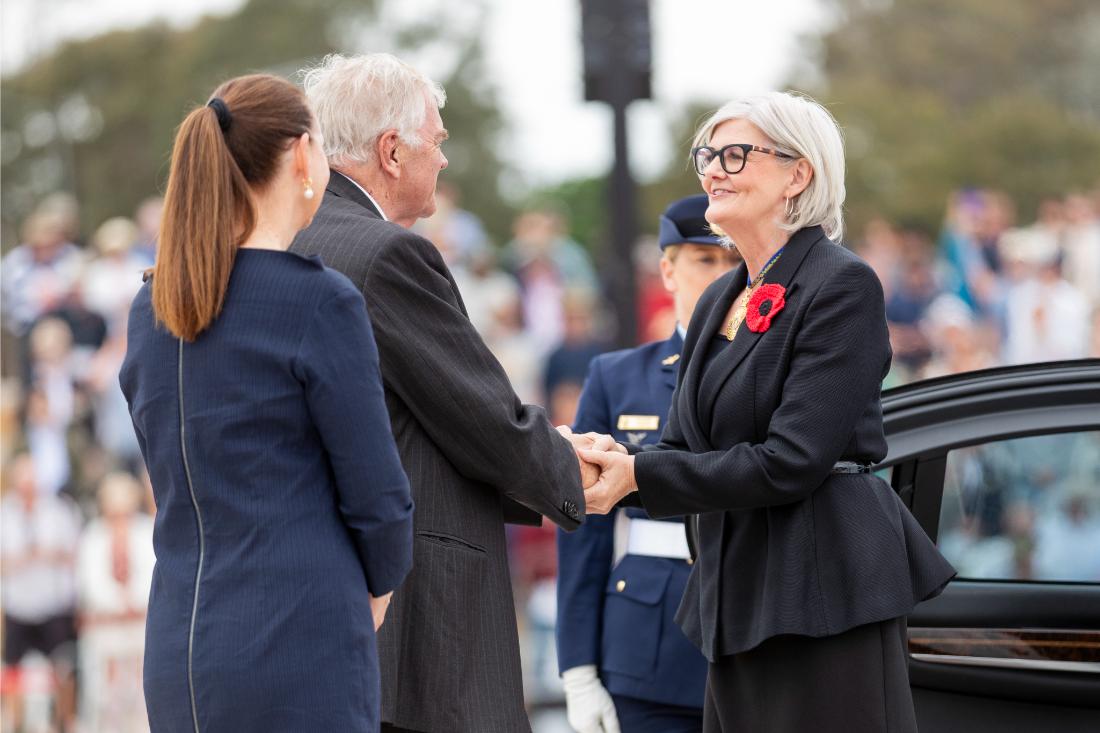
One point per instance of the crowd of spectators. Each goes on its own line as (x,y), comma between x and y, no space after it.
(76,505)
(991,291)
(76,543)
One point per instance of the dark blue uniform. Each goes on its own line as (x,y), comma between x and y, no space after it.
(620,617)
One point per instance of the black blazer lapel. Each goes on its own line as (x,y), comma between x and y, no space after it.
(700,342)
(782,273)
(342,186)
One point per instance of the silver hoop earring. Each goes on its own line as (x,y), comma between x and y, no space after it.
(788,207)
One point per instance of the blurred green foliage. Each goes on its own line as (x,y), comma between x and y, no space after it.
(97,117)
(934,95)
(586,200)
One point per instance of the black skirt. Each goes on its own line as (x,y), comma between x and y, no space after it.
(854,682)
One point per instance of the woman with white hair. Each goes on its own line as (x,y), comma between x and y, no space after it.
(807,562)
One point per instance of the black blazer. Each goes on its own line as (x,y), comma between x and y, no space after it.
(449,650)
(786,546)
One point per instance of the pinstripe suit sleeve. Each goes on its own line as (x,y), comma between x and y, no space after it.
(339,363)
(442,370)
(836,371)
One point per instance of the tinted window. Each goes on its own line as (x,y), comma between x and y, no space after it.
(1027,508)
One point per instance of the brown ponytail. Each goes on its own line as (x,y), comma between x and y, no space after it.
(220,156)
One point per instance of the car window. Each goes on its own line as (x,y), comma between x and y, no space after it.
(1026,509)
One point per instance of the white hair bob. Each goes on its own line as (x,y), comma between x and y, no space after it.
(358,98)
(798,126)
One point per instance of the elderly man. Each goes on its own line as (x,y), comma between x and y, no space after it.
(449,650)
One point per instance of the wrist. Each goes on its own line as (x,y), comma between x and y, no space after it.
(580,676)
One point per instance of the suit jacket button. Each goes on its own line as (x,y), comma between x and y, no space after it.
(620,586)
(570,509)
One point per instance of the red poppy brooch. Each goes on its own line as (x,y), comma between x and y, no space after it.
(765,303)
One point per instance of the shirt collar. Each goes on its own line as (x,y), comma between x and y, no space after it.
(366,193)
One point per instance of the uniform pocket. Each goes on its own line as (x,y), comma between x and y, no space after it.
(633,616)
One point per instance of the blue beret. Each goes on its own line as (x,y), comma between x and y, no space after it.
(684,221)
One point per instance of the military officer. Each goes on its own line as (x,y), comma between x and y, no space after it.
(624,662)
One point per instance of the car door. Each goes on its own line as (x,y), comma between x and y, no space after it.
(1002,469)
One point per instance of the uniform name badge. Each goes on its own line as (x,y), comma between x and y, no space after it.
(636,423)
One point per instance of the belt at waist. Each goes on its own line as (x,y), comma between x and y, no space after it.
(838,467)
(657,539)
(851,467)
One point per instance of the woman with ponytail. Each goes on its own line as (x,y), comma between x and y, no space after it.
(284,518)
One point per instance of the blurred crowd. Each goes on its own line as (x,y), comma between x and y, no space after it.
(1024,509)
(992,291)
(76,505)
(76,509)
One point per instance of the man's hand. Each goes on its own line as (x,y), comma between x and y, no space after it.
(378,608)
(588,706)
(616,480)
(590,441)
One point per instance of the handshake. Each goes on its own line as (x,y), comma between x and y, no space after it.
(607,470)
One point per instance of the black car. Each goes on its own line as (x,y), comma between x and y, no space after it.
(1002,468)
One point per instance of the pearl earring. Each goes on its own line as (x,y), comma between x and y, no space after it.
(308,183)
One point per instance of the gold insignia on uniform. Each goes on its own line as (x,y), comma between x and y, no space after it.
(670,360)
(639,422)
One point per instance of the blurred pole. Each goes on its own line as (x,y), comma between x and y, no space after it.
(616,42)
(623,202)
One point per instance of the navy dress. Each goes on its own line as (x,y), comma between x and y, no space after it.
(281,503)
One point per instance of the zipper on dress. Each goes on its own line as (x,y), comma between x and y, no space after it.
(202,547)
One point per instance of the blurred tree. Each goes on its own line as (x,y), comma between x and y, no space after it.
(678,179)
(583,204)
(933,95)
(969,51)
(585,199)
(938,94)
(97,117)
(473,118)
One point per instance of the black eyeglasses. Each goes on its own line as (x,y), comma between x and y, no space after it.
(732,157)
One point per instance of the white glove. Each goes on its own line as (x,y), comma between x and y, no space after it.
(589,707)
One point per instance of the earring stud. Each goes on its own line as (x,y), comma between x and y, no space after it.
(308,193)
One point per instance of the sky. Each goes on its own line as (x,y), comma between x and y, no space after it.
(534,60)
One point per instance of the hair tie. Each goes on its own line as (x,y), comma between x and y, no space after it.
(222,111)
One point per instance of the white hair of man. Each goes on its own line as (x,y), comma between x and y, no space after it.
(800,127)
(357,98)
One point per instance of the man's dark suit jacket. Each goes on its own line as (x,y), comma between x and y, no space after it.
(786,546)
(448,651)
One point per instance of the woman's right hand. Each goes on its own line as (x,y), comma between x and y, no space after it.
(378,608)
